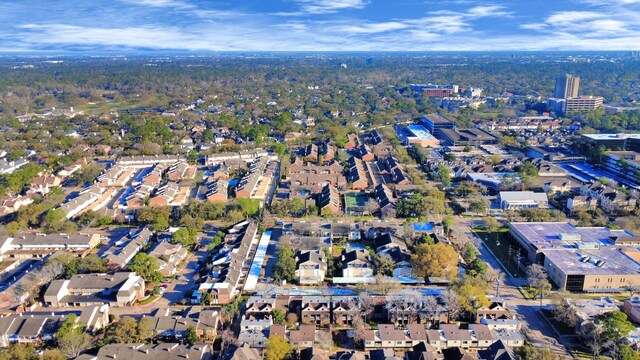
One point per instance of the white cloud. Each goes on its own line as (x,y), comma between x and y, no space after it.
(329,6)
(371,28)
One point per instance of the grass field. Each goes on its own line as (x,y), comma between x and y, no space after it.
(500,244)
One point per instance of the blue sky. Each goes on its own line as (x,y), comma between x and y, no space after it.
(318,25)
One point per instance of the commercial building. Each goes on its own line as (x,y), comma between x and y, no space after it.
(629,142)
(433,90)
(567,86)
(435,122)
(458,137)
(523,200)
(589,259)
(420,136)
(583,103)
(624,164)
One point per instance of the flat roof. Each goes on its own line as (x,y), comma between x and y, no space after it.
(615,261)
(611,136)
(437,119)
(420,132)
(550,235)
(522,196)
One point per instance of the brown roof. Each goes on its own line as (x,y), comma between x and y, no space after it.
(389,332)
(304,333)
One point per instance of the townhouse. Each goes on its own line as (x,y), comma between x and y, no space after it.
(120,257)
(386,202)
(360,174)
(316,310)
(256,184)
(310,153)
(308,174)
(610,200)
(27,245)
(356,264)
(301,338)
(231,265)
(181,170)
(365,153)
(118,289)
(35,328)
(43,184)
(477,336)
(161,351)
(169,194)
(147,160)
(329,201)
(217,190)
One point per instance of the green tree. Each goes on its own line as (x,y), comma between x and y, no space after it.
(445,175)
(529,352)
(184,236)
(383,264)
(192,337)
(278,316)
(626,352)
(285,267)
(477,267)
(469,253)
(616,325)
(277,348)
(145,266)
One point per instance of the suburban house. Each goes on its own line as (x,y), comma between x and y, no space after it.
(356,263)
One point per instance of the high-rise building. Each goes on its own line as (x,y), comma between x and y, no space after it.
(567,86)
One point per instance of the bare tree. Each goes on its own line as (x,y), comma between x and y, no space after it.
(386,284)
(453,305)
(360,329)
(323,340)
(371,206)
(632,288)
(593,336)
(228,338)
(430,308)
(52,270)
(365,302)
(292,318)
(74,343)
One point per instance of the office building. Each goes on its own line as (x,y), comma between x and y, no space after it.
(629,142)
(582,103)
(435,122)
(567,86)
